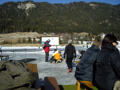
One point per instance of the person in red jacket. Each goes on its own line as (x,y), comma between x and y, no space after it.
(47,49)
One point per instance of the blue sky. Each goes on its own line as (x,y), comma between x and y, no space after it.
(113,2)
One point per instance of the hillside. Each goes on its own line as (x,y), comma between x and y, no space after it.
(42,17)
(19,37)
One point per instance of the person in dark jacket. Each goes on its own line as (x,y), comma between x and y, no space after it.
(84,69)
(69,54)
(47,49)
(107,74)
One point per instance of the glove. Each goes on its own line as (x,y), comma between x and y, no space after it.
(64,57)
(74,56)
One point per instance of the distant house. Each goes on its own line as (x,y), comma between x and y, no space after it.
(83,33)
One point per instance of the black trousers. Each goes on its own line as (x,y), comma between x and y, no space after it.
(69,63)
(46,56)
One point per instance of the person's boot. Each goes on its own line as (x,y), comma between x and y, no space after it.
(70,70)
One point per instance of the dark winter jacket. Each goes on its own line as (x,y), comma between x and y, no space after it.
(70,51)
(84,69)
(107,67)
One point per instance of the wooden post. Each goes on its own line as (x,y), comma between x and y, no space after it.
(56,46)
(51,83)
(78,85)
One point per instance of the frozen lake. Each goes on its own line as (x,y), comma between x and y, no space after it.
(45,69)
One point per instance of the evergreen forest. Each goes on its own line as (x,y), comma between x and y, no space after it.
(76,17)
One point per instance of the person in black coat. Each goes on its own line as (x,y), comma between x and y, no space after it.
(69,54)
(84,69)
(107,74)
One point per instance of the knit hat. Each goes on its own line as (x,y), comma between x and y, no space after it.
(48,40)
(69,41)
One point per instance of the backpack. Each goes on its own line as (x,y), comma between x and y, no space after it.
(14,75)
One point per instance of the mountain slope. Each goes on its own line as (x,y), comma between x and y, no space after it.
(73,17)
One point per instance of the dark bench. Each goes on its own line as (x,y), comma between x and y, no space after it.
(33,68)
(26,60)
(4,56)
(51,83)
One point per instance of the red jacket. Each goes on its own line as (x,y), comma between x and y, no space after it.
(47,46)
(47,49)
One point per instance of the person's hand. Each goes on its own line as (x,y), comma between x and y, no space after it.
(74,56)
(64,57)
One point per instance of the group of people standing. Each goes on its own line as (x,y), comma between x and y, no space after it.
(69,53)
(100,64)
